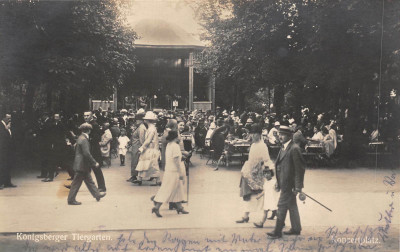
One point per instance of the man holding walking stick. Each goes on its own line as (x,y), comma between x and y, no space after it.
(290,168)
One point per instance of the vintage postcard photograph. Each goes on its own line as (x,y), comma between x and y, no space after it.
(199,125)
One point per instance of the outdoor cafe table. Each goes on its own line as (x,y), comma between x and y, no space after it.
(239,149)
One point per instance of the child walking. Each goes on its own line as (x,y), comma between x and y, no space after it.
(123,141)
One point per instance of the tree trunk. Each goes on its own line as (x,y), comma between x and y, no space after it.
(279,99)
(30,93)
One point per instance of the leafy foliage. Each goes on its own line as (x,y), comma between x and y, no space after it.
(75,49)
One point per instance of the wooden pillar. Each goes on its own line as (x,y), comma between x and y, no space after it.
(191,81)
(212,92)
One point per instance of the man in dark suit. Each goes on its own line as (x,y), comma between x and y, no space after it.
(95,139)
(56,140)
(82,166)
(6,152)
(290,168)
(298,137)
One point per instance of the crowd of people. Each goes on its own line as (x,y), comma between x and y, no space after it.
(166,140)
(49,142)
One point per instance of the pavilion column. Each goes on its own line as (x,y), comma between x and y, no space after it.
(191,81)
(211,92)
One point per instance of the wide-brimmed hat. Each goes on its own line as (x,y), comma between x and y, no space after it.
(150,116)
(249,120)
(285,130)
(277,123)
(85,126)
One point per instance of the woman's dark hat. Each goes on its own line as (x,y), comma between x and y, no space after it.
(172,135)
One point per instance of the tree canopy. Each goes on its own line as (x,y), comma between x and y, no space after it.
(323,54)
(69,50)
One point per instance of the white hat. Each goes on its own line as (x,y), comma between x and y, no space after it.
(249,120)
(150,116)
(140,111)
(277,123)
(291,120)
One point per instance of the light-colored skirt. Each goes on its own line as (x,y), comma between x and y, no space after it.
(148,164)
(122,151)
(171,190)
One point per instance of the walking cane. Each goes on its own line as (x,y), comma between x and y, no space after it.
(303,195)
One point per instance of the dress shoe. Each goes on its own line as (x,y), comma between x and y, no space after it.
(291,232)
(40,176)
(273,235)
(258,225)
(102,190)
(138,182)
(130,179)
(47,180)
(10,186)
(181,211)
(156,211)
(101,195)
(74,203)
(67,186)
(273,215)
(172,206)
(243,220)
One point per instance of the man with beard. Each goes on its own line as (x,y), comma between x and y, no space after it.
(95,139)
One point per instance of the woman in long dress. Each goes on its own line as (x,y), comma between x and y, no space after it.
(252,180)
(172,188)
(148,168)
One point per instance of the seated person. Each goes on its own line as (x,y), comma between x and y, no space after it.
(317,135)
(328,142)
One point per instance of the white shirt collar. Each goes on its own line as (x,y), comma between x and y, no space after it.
(86,135)
(285,145)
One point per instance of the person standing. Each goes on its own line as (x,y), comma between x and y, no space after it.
(172,188)
(57,143)
(105,144)
(95,139)
(82,166)
(148,168)
(290,169)
(137,140)
(6,152)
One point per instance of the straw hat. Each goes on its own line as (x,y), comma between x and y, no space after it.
(150,116)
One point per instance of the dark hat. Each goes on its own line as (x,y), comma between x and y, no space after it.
(139,116)
(171,135)
(256,129)
(285,130)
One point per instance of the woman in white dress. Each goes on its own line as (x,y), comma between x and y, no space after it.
(147,167)
(252,180)
(172,188)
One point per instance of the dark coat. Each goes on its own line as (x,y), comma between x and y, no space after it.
(290,168)
(83,159)
(95,139)
(5,143)
(299,139)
